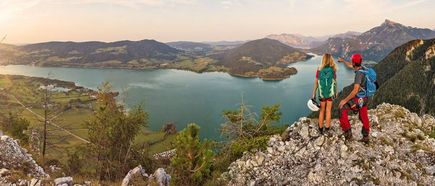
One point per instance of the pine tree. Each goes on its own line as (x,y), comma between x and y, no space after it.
(112,131)
(192,163)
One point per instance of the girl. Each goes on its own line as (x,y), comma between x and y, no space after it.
(326,86)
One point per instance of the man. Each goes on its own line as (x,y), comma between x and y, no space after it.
(355,101)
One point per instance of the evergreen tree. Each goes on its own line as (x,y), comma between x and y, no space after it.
(192,163)
(112,131)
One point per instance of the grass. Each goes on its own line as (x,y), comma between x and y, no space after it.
(155,141)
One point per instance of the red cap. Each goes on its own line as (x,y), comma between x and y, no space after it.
(357,58)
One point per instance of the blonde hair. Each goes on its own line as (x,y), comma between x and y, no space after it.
(328,61)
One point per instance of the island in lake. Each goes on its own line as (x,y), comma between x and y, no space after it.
(264,58)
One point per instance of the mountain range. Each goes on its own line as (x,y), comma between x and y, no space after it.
(265,58)
(301,41)
(375,43)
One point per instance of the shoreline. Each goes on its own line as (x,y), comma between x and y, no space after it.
(161,68)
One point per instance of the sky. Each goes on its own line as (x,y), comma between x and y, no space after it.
(32,21)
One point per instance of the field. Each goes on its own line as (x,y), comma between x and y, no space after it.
(70,107)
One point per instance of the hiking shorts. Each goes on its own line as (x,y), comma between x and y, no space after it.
(325,99)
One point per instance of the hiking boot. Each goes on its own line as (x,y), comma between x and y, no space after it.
(328,131)
(321,130)
(348,134)
(365,139)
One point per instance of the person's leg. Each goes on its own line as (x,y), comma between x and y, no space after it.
(344,119)
(322,114)
(364,117)
(328,114)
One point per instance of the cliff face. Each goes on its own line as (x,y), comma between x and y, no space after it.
(400,152)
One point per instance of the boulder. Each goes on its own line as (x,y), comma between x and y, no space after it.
(161,177)
(63,181)
(133,172)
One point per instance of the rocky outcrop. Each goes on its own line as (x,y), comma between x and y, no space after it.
(400,153)
(133,172)
(409,53)
(160,177)
(430,52)
(64,181)
(13,159)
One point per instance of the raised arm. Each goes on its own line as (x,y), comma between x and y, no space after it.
(347,63)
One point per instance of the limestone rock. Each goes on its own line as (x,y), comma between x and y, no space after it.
(133,172)
(63,181)
(17,166)
(161,177)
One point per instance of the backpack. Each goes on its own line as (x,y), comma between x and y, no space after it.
(371,83)
(326,83)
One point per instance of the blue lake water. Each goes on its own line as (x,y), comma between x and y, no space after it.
(186,97)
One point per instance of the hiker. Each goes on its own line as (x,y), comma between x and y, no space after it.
(357,100)
(326,86)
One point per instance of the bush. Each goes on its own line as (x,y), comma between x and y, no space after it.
(17,126)
(243,123)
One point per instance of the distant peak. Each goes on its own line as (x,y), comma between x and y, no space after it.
(390,23)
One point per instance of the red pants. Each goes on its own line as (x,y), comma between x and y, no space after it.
(363,115)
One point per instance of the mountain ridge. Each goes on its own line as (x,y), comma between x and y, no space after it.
(301,41)
(375,43)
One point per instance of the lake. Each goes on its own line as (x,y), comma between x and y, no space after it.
(186,97)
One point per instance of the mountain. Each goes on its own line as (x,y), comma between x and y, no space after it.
(251,57)
(95,52)
(120,53)
(407,77)
(295,40)
(8,52)
(188,46)
(376,43)
(301,41)
(400,153)
(348,34)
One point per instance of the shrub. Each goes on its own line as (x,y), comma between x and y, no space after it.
(192,163)
(17,126)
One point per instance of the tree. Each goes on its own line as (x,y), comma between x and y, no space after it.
(52,110)
(192,163)
(112,131)
(243,123)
